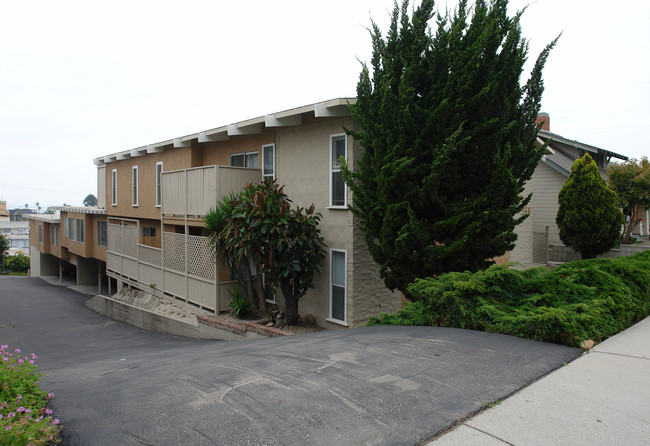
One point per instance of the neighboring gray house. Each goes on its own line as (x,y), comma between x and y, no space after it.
(539,230)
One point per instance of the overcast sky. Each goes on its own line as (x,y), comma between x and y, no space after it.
(82,79)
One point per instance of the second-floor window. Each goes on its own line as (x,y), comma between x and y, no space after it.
(71,228)
(268,160)
(159,171)
(114,187)
(135,185)
(80,230)
(338,150)
(249,159)
(55,236)
(65,225)
(40,233)
(101,233)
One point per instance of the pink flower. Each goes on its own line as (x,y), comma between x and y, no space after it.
(51,394)
(48,411)
(19,397)
(4,347)
(21,409)
(8,427)
(28,410)
(20,361)
(31,361)
(34,356)
(5,359)
(17,350)
(55,421)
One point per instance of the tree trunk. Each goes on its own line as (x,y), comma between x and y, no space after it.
(259,287)
(290,305)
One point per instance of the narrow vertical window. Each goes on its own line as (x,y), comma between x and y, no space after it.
(55,236)
(40,233)
(338,280)
(135,185)
(159,171)
(114,187)
(80,230)
(101,233)
(338,149)
(268,159)
(65,225)
(71,228)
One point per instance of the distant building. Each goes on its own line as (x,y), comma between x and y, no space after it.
(17,232)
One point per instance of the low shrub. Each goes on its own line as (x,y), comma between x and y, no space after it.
(25,418)
(239,305)
(18,262)
(587,299)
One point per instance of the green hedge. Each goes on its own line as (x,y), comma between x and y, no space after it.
(586,299)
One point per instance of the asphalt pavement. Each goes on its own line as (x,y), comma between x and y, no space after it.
(116,384)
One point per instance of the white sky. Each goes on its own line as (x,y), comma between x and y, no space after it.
(81,79)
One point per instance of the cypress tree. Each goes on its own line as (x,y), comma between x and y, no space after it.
(589,218)
(449,140)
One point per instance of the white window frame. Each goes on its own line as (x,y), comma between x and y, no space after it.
(266,147)
(345,288)
(245,154)
(159,171)
(332,170)
(134,186)
(114,187)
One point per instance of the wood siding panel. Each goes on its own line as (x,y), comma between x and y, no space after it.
(547,185)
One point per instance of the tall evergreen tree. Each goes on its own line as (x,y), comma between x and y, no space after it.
(589,218)
(449,140)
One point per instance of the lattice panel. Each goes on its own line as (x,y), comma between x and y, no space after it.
(540,247)
(174,251)
(200,262)
(130,241)
(114,238)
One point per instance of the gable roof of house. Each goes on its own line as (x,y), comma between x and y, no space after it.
(332,108)
(562,151)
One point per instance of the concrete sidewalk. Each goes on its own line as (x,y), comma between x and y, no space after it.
(601,398)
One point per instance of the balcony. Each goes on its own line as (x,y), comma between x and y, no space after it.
(184,268)
(192,192)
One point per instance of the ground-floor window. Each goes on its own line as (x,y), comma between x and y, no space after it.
(338,280)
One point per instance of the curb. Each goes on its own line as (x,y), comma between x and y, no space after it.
(241,328)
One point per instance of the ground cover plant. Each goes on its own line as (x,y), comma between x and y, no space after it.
(25,418)
(587,299)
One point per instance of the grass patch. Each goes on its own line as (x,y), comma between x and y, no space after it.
(25,418)
(587,299)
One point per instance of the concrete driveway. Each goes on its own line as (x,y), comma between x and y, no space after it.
(115,384)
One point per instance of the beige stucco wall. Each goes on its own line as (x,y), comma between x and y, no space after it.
(302,166)
(218,152)
(173,159)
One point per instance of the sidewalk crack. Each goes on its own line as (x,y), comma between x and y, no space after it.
(487,433)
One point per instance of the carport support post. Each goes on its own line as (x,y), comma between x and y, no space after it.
(99,278)
(60,271)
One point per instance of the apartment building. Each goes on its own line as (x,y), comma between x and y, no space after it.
(147,231)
